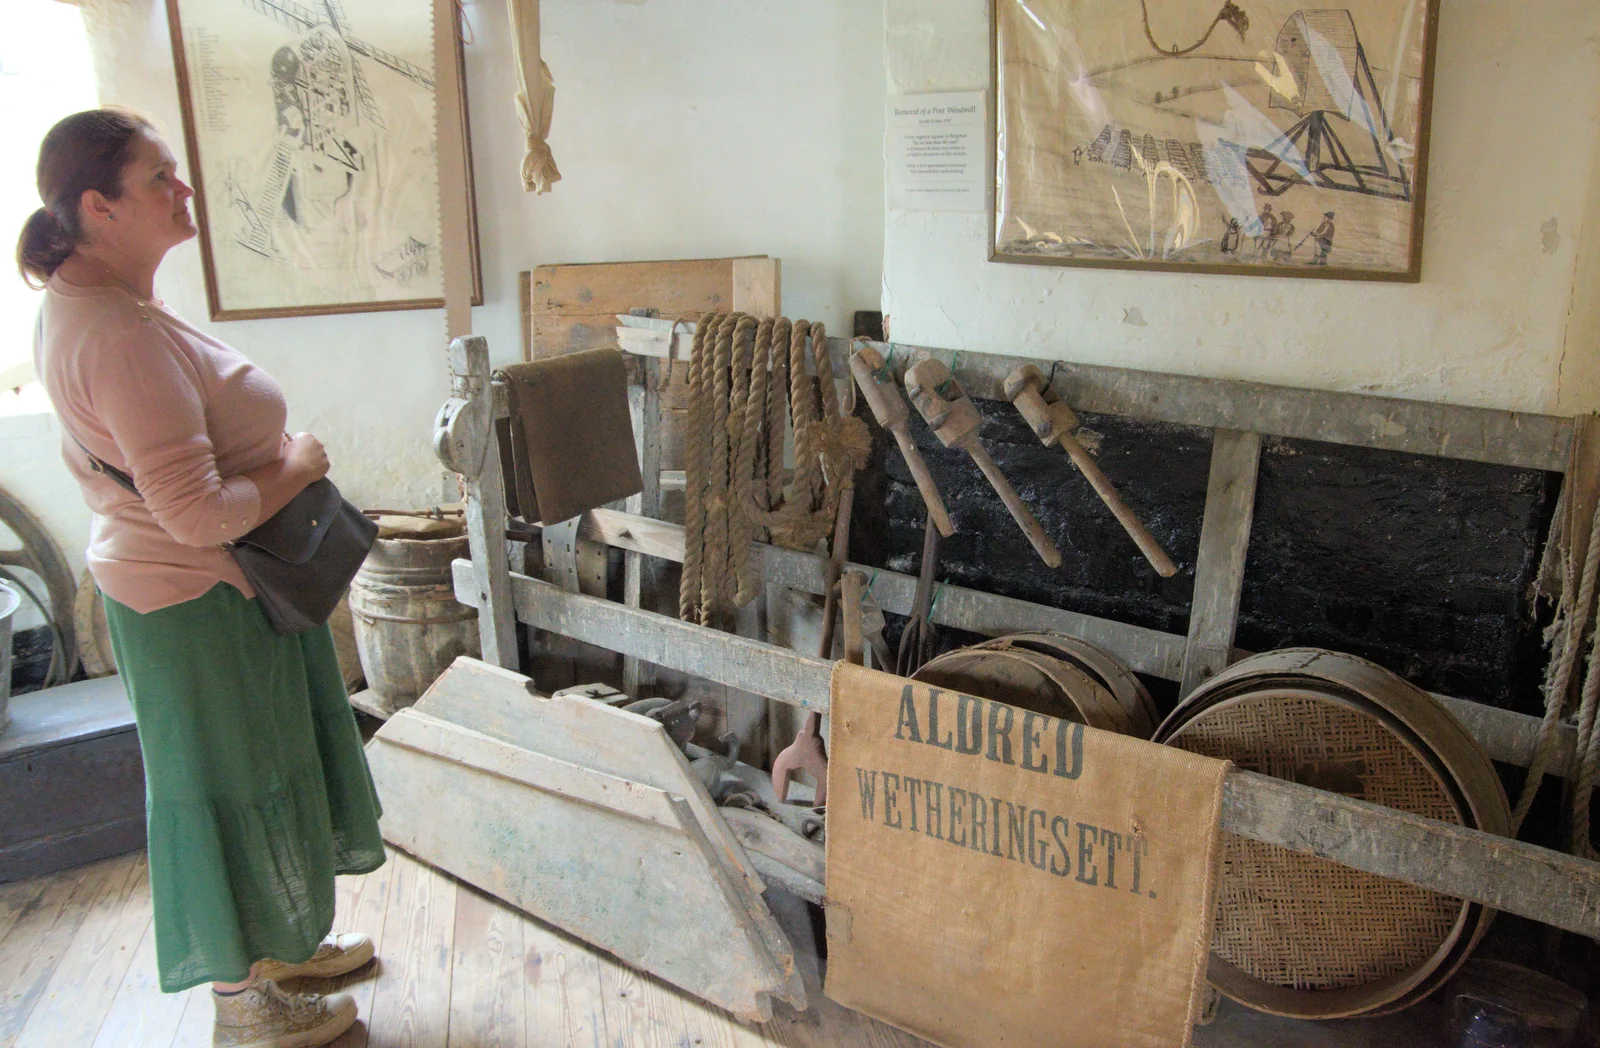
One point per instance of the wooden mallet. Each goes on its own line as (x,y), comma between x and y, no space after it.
(1053,422)
(954,419)
(888,406)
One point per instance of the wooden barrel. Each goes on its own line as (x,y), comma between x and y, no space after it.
(408,626)
(1305,937)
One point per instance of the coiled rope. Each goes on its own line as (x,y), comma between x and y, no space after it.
(742,374)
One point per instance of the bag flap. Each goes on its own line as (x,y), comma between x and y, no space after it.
(295,531)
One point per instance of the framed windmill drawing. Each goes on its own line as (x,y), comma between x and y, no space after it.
(313,153)
(1264,137)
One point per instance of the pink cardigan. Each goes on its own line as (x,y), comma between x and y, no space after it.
(180,412)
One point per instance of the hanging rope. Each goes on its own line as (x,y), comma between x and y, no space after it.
(741,373)
(1568,634)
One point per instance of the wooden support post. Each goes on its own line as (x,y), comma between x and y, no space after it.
(644,404)
(465,442)
(1219,568)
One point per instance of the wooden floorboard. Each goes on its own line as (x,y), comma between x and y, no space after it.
(85,982)
(30,953)
(457,968)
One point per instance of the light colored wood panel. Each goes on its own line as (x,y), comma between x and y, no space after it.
(574,307)
(561,990)
(640,1012)
(1219,566)
(362,905)
(92,968)
(758,287)
(487,1009)
(34,948)
(411,1002)
(141,1016)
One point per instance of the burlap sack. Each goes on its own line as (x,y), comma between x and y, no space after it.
(998,877)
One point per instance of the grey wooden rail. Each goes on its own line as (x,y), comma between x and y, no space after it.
(1520,878)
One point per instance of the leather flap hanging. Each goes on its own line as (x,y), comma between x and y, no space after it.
(572,440)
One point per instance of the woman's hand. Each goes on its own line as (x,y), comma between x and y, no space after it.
(305,457)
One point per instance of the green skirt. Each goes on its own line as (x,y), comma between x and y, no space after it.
(256,788)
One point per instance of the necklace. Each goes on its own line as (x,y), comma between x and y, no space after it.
(111,275)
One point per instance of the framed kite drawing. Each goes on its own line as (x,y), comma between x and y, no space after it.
(1261,137)
(313,153)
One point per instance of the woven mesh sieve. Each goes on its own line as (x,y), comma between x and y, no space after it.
(1297,921)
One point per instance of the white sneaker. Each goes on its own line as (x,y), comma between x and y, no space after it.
(337,954)
(263,1016)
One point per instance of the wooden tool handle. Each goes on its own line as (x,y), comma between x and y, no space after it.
(1019,512)
(924,479)
(1125,516)
(853,587)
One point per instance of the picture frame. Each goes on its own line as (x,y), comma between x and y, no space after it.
(313,153)
(1173,136)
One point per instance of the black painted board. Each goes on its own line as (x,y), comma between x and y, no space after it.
(1419,563)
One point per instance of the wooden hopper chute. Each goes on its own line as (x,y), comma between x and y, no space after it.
(590,819)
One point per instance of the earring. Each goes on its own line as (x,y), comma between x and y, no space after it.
(111,218)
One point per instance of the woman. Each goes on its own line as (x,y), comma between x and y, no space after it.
(257,791)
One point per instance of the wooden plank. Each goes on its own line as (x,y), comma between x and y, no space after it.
(1510,737)
(573,307)
(765,669)
(455,218)
(92,967)
(32,949)
(1506,874)
(1219,566)
(561,993)
(486,505)
(362,905)
(758,286)
(141,1016)
(644,405)
(441,739)
(411,1003)
(487,1009)
(199,1018)
(640,1011)
(1145,650)
(1509,438)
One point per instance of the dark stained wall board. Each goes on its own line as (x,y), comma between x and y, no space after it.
(1419,563)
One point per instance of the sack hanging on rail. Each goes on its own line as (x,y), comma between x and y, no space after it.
(1000,877)
(570,436)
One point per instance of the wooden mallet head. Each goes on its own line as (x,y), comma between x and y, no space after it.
(942,402)
(878,388)
(1044,411)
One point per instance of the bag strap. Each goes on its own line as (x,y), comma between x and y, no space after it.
(104,468)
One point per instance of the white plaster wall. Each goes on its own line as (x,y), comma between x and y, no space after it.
(683,128)
(1502,317)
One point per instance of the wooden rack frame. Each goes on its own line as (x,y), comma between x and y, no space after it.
(1506,874)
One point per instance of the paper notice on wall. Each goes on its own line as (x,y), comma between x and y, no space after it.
(936,152)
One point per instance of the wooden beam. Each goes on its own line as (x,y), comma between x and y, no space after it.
(1219,566)
(1509,438)
(724,658)
(644,406)
(1145,650)
(486,505)
(1506,736)
(1520,878)
(1505,874)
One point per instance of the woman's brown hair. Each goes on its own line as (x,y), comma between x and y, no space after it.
(84,151)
